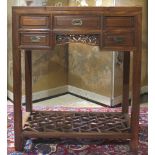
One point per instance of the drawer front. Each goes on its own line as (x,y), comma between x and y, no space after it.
(40,39)
(119,21)
(34,21)
(75,22)
(114,39)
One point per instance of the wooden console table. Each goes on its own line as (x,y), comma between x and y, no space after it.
(112,29)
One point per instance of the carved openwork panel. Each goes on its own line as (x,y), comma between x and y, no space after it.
(90,39)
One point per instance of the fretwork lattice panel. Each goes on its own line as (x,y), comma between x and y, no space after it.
(77,122)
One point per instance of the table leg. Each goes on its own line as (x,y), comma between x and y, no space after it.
(135,100)
(67,61)
(126,76)
(28,80)
(136,83)
(17,99)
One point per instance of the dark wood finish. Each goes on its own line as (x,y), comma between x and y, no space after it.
(119,21)
(17,86)
(88,39)
(28,80)
(77,22)
(34,21)
(136,84)
(77,124)
(109,136)
(126,74)
(17,99)
(39,39)
(117,28)
(116,39)
(67,60)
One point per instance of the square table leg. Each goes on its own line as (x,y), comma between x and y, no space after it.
(126,78)
(28,80)
(17,99)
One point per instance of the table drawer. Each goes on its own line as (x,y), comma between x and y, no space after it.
(34,21)
(118,21)
(75,22)
(113,39)
(40,39)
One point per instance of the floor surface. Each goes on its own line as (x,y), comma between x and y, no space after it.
(68,100)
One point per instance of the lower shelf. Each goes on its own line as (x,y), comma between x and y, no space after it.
(77,125)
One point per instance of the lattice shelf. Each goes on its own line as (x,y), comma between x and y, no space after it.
(74,122)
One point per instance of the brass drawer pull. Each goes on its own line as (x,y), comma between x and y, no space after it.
(118,39)
(35,39)
(77,22)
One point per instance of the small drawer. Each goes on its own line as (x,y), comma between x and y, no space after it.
(119,21)
(40,39)
(113,39)
(34,21)
(75,22)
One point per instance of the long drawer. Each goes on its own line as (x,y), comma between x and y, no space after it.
(76,22)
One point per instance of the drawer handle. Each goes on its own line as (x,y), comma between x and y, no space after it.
(118,39)
(76,22)
(35,39)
